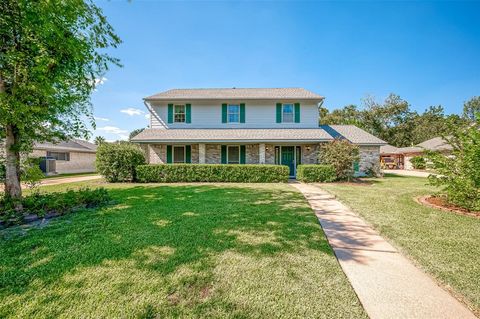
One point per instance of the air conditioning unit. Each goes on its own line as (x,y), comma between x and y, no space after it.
(48,166)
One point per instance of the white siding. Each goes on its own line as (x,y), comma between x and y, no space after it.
(258,114)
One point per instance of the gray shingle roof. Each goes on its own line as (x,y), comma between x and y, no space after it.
(436,144)
(226,135)
(389,149)
(73,145)
(236,93)
(356,135)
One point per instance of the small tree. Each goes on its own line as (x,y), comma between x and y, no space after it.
(99,140)
(117,162)
(459,172)
(342,155)
(31,174)
(418,162)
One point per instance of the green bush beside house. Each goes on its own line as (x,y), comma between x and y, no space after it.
(316,173)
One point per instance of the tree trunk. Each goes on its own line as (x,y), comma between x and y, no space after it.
(12,164)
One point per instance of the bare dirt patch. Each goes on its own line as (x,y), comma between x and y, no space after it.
(439,202)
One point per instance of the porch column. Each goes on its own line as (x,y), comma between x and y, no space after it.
(201,153)
(261,153)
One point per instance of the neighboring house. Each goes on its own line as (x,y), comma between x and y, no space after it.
(74,156)
(404,154)
(244,126)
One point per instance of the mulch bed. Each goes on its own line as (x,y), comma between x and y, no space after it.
(440,203)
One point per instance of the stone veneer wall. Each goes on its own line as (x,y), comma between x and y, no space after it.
(310,156)
(156,154)
(213,154)
(269,154)
(252,154)
(369,156)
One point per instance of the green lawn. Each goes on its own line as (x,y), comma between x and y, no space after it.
(224,251)
(444,244)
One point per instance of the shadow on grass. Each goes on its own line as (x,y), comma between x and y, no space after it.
(162,229)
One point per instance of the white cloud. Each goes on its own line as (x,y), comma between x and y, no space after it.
(100,81)
(102,119)
(132,111)
(147,116)
(113,130)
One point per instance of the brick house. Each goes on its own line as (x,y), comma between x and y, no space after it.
(244,126)
(74,156)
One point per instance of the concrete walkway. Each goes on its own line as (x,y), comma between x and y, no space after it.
(387,284)
(404,172)
(64,180)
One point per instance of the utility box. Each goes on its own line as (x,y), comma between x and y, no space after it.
(48,166)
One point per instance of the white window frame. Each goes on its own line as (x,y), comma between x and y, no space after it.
(66,156)
(184,154)
(293,112)
(228,113)
(175,113)
(232,146)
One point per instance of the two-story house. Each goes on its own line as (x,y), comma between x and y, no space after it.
(243,126)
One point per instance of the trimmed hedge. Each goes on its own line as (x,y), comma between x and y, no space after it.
(316,173)
(232,173)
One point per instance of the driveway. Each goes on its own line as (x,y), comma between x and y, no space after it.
(405,172)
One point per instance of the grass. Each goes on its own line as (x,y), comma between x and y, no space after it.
(222,251)
(444,244)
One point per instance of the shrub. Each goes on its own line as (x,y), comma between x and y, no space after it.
(30,172)
(341,154)
(40,204)
(459,172)
(418,162)
(117,161)
(315,173)
(166,173)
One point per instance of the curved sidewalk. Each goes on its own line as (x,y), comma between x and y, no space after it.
(387,284)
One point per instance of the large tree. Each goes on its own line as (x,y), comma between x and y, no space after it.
(53,53)
(393,121)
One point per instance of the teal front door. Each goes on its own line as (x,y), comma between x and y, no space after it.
(288,158)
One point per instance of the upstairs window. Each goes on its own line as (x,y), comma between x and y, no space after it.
(59,156)
(233,113)
(179,114)
(233,155)
(288,113)
(179,154)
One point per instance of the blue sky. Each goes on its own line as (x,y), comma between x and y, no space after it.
(427,52)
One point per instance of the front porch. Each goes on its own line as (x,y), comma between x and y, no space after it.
(218,153)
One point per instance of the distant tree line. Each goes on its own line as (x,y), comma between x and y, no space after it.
(394,121)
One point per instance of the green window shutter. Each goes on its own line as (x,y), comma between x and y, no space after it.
(188,113)
(297,112)
(188,153)
(279,112)
(224,113)
(242,112)
(356,166)
(224,154)
(170,113)
(169,154)
(243,154)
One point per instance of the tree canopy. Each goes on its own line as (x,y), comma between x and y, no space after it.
(393,120)
(52,56)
